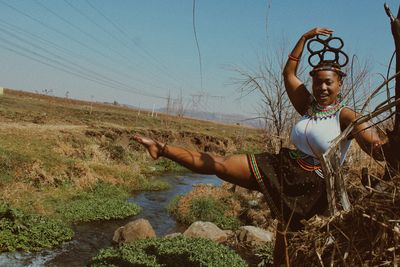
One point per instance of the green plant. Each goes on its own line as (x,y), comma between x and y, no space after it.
(103,202)
(29,232)
(204,209)
(165,165)
(172,252)
(212,210)
(266,255)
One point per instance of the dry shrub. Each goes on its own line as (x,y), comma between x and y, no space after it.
(209,191)
(37,175)
(15,192)
(367,235)
(82,175)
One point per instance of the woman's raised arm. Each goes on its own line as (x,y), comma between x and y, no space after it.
(297,92)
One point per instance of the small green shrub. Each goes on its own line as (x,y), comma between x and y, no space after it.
(212,210)
(19,231)
(266,254)
(172,252)
(204,209)
(103,202)
(163,165)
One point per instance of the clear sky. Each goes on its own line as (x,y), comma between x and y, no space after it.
(138,52)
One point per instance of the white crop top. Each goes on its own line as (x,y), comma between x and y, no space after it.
(313,136)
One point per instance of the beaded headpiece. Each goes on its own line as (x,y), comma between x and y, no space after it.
(326,54)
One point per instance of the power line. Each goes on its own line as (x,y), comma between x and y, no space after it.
(168,75)
(197,43)
(67,69)
(56,31)
(70,53)
(123,33)
(123,57)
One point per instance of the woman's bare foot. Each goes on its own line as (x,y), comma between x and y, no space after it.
(155,148)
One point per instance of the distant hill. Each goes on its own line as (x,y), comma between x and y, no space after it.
(220,117)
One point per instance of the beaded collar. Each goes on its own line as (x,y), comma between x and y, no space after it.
(316,111)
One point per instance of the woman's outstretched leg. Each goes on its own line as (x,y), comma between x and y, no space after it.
(234,169)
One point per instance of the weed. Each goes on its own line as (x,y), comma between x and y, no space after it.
(204,209)
(174,252)
(102,202)
(19,231)
(266,254)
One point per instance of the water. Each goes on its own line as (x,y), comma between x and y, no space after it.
(90,237)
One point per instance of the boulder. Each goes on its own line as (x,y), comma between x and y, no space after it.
(135,230)
(206,230)
(254,236)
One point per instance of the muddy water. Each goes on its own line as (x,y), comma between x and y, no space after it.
(90,237)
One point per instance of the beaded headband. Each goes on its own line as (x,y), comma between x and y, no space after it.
(326,54)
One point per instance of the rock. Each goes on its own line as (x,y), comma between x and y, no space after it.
(229,233)
(254,235)
(206,230)
(135,230)
(256,217)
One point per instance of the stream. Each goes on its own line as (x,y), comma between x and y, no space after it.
(90,237)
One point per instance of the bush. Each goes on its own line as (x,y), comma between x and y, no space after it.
(203,209)
(29,232)
(212,210)
(103,202)
(266,254)
(172,252)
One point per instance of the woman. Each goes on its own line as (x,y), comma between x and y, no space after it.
(290,181)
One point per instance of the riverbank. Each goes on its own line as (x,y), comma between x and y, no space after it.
(55,152)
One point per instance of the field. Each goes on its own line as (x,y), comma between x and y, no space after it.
(55,149)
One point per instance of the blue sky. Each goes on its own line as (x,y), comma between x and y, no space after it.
(139,52)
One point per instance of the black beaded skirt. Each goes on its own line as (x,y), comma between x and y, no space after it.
(292,193)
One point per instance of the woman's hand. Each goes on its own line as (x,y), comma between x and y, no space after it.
(316,31)
(155,148)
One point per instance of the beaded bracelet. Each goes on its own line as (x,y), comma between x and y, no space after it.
(291,57)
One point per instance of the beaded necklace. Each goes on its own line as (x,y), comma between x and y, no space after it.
(316,111)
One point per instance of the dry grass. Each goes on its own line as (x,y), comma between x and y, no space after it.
(60,146)
(208,191)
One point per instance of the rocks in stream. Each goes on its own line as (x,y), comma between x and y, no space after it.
(254,236)
(135,230)
(246,235)
(206,230)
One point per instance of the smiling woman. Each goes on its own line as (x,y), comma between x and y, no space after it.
(290,181)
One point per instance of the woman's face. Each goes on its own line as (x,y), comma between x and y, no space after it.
(326,87)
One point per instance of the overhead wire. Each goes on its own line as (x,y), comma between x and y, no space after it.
(125,34)
(57,31)
(68,52)
(197,42)
(161,70)
(51,62)
(93,38)
(61,63)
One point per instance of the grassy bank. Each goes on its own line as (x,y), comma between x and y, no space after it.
(59,156)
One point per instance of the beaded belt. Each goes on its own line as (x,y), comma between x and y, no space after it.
(307,162)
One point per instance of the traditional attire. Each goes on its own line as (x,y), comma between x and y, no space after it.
(292,181)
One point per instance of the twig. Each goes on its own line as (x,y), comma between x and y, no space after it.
(394,229)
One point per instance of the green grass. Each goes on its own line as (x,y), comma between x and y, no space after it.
(102,202)
(19,231)
(172,252)
(59,161)
(204,209)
